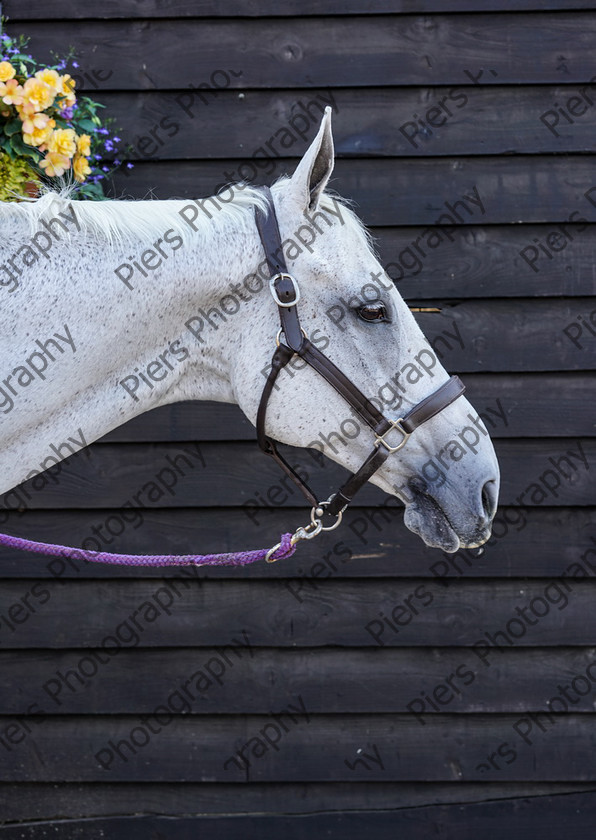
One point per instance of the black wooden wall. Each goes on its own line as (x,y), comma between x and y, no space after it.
(503,90)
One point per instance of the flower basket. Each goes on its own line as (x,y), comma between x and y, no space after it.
(48,135)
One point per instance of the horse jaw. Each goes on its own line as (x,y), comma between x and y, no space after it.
(456,509)
(426,516)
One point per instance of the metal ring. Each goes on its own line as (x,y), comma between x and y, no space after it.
(280,331)
(272,551)
(314,518)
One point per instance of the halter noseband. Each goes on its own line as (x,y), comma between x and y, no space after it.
(286,293)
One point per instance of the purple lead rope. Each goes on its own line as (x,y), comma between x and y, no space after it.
(239,558)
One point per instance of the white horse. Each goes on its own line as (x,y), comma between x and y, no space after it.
(110,309)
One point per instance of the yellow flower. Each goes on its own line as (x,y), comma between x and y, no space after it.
(37,95)
(66,92)
(7,71)
(66,102)
(81,168)
(84,144)
(67,85)
(55,164)
(37,129)
(62,142)
(51,78)
(11,92)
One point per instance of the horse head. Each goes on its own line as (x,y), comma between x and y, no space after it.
(447,475)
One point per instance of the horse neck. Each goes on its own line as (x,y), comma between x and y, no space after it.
(205,302)
(87,399)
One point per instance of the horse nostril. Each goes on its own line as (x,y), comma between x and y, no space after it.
(489,499)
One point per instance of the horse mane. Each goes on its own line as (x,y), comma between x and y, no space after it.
(117,221)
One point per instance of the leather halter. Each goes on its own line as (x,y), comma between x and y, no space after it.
(286,294)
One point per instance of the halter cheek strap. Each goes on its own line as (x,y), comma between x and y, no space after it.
(286,294)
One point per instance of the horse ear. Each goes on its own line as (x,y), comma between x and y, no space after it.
(314,170)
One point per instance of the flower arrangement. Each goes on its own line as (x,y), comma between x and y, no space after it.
(46,131)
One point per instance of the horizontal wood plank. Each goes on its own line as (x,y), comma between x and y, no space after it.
(516,189)
(236,474)
(511,48)
(240,680)
(24,802)
(345,613)
(550,817)
(61,9)
(519,338)
(491,261)
(377,122)
(193,748)
(372,543)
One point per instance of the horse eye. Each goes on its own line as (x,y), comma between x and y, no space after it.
(373,313)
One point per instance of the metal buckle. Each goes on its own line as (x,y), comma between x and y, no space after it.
(395,424)
(273,290)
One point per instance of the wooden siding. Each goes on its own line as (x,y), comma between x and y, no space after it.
(435,726)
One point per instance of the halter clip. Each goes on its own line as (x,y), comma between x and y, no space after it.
(313,529)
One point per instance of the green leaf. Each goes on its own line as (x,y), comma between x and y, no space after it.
(92,192)
(13,127)
(22,150)
(87,125)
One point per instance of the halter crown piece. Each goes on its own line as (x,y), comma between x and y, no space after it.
(286,294)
